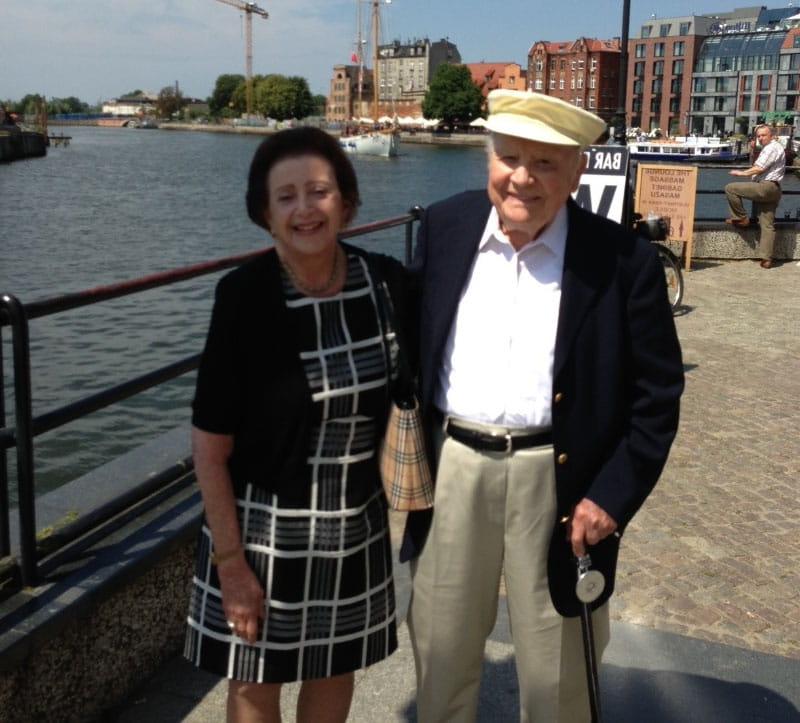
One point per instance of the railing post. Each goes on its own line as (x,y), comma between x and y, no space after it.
(5,535)
(416,212)
(24,430)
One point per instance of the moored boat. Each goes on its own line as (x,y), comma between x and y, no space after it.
(380,142)
(691,149)
(376,143)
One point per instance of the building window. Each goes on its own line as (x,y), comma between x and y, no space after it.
(591,101)
(699,85)
(538,84)
(638,69)
(655,105)
(553,64)
(579,101)
(592,82)
(677,67)
(675,87)
(747,82)
(641,50)
(746,102)
(658,67)
(539,65)
(763,102)
(572,83)
(594,64)
(658,50)
(674,105)
(561,84)
(638,87)
(580,82)
(663,31)
(573,65)
(678,48)
(657,85)
(763,82)
(684,28)
(646,30)
(552,83)
(636,106)
(580,65)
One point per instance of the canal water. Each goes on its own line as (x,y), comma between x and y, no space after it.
(117,204)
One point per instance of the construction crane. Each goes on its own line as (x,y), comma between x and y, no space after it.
(249,9)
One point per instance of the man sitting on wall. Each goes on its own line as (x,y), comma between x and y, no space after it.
(764,189)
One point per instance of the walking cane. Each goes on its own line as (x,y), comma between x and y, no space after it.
(588,588)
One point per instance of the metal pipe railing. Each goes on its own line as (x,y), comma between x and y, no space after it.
(16,315)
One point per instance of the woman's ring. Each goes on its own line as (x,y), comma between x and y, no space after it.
(231,625)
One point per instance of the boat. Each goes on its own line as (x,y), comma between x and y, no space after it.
(689,149)
(374,141)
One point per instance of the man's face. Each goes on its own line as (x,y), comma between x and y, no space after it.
(764,136)
(529,182)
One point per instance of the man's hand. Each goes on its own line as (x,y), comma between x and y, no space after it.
(588,525)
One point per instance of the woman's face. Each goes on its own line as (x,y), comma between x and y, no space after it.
(305,209)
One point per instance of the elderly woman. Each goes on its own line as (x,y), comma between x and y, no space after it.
(294,574)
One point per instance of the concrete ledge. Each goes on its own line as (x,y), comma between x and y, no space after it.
(720,241)
(101,623)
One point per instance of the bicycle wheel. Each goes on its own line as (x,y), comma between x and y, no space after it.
(672,274)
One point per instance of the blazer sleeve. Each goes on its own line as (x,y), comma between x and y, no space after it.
(633,467)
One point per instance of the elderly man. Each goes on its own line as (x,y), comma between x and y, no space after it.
(764,189)
(550,373)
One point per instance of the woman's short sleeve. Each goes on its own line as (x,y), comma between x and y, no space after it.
(217,405)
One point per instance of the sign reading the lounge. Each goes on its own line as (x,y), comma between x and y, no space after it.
(670,192)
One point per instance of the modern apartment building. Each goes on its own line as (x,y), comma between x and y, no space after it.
(584,72)
(404,74)
(405,71)
(710,74)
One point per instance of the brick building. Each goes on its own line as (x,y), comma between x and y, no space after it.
(491,76)
(584,72)
(343,98)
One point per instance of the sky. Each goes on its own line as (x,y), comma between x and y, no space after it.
(101,49)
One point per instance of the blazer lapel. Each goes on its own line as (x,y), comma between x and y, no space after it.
(580,282)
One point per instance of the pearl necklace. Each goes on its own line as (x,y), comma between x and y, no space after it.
(313,290)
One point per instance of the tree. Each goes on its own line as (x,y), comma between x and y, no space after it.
(220,101)
(169,102)
(320,104)
(279,97)
(452,96)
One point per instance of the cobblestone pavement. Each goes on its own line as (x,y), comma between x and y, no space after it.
(715,551)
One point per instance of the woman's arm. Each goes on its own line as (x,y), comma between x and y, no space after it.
(242,595)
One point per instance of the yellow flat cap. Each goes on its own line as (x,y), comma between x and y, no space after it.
(542,118)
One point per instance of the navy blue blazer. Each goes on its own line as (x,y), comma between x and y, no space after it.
(617,376)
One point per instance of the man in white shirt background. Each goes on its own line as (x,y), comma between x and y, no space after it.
(550,375)
(764,189)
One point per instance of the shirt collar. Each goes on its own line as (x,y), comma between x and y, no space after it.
(553,238)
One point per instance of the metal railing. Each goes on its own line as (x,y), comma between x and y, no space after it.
(16,315)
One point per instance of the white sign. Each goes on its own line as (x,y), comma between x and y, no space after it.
(602,186)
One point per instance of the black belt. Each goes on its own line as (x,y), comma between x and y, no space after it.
(488,442)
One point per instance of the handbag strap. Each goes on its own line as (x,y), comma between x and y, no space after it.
(400,386)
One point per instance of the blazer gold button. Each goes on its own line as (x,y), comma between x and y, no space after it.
(558,397)
(562,458)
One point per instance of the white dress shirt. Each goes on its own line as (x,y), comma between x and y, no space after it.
(497,366)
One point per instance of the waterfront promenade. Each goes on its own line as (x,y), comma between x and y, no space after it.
(706,619)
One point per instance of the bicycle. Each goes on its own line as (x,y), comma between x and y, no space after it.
(657,229)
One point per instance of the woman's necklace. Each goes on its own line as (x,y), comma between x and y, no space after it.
(314,290)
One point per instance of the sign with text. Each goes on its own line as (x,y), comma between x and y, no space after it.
(669,191)
(602,186)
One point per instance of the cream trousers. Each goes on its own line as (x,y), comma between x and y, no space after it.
(494,514)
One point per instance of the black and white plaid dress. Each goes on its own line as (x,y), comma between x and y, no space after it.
(324,560)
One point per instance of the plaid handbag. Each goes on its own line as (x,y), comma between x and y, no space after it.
(403,461)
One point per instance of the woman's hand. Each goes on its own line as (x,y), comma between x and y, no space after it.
(242,597)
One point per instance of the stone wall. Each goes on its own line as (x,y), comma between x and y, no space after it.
(100,657)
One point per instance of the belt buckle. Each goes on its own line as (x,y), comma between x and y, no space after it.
(508,442)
